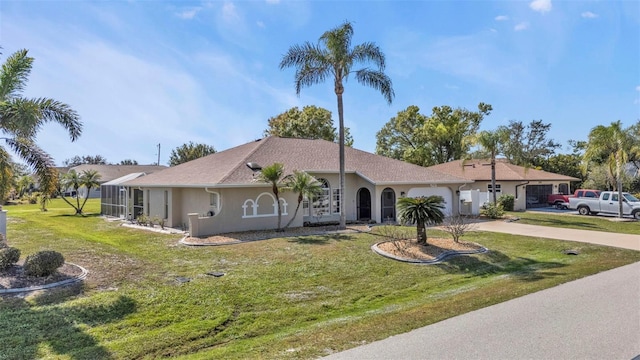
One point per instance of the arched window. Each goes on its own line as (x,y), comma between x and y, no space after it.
(321,204)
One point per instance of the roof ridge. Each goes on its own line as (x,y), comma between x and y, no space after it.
(244,159)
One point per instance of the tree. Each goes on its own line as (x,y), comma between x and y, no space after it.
(272,175)
(403,137)
(304,185)
(565,164)
(613,143)
(444,136)
(311,123)
(86,159)
(421,211)
(21,118)
(333,57)
(72,180)
(128,162)
(527,145)
(25,183)
(491,142)
(188,152)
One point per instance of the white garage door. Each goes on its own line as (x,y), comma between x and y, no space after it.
(429,191)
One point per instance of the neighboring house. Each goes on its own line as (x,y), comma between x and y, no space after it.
(530,187)
(108,173)
(219,193)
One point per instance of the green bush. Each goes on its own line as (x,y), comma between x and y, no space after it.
(43,263)
(507,201)
(492,211)
(8,257)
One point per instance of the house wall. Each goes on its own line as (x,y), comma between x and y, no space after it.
(353,182)
(403,190)
(509,187)
(231,216)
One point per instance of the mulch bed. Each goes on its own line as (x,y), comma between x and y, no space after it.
(14,277)
(410,249)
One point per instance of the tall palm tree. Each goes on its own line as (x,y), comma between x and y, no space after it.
(421,211)
(304,185)
(272,174)
(491,141)
(333,57)
(21,118)
(612,144)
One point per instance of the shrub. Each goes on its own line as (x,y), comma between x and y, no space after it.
(8,257)
(457,226)
(492,211)
(43,263)
(507,201)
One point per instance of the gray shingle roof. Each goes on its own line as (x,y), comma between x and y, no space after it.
(228,168)
(480,170)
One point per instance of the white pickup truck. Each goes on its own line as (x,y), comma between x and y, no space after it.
(607,203)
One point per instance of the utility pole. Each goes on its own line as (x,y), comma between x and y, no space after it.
(158,155)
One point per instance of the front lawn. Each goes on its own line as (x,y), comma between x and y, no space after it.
(282,298)
(581,222)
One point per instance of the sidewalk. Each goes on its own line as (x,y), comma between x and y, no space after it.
(625,241)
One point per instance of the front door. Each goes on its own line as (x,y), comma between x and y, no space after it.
(388,205)
(364,204)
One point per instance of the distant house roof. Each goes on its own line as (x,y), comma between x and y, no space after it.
(228,168)
(480,170)
(111,172)
(124,179)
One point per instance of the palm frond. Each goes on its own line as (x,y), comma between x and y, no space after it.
(368,51)
(56,111)
(14,74)
(35,157)
(377,80)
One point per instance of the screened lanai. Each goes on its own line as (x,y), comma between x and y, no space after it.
(117,200)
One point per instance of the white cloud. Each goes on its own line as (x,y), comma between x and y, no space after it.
(188,14)
(229,13)
(260,24)
(501,18)
(638,88)
(541,6)
(273,2)
(521,26)
(589,15)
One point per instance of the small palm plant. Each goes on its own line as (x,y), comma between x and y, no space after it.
(304,185)
(272,175)
(421,211)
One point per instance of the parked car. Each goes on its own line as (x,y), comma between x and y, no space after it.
(606,203)
(562,200)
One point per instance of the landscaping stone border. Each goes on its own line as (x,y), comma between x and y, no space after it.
(74,279)
(437,260)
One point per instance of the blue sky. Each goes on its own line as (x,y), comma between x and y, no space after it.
(147,72)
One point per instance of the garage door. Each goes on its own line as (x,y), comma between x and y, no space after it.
(537,195)
(440,191)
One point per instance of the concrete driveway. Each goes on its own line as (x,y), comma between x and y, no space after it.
(597,317)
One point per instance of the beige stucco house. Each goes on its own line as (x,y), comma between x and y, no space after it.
(530,187)
(218,193)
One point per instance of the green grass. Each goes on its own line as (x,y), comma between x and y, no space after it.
(281,298)
(581,222)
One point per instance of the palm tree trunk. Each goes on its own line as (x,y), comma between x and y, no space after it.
(275,191)
(86,197)
(343,215)
(421,233)
(294,215)
(78,209)
(493,178)
(618,175)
